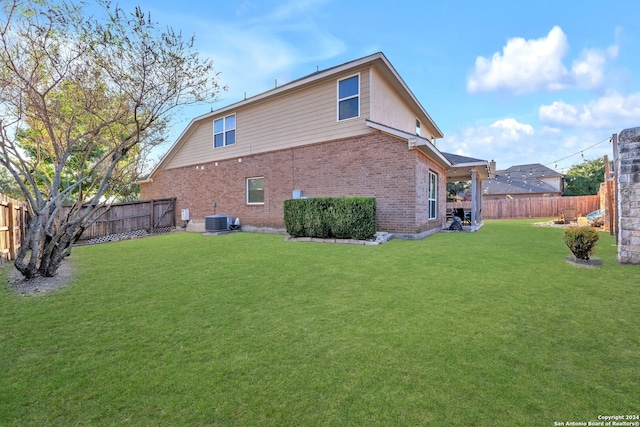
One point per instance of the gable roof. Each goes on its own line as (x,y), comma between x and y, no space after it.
(502,184)
(534,169)
(378,59)
(522,179)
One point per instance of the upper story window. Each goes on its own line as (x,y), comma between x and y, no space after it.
(349,97)
(224,131)
(417,127)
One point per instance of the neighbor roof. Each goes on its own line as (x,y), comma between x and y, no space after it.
(534,169)
(502,184)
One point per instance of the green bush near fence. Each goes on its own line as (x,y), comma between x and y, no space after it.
(331,217)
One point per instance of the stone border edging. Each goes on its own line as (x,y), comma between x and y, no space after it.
(380,238)
(592,262)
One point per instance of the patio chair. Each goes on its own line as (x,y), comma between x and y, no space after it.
(569,215)
(467,217)
(464,218)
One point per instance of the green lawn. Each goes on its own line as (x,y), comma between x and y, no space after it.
(491,328)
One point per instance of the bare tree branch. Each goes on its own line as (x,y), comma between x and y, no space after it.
(82,102)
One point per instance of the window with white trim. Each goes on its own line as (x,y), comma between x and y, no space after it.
(433,195)
(349,97)
(224,131)
(255,191)
(417,127)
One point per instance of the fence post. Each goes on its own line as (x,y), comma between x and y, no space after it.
(11,229)
(152,217)
(173,209)
(109,229)
(609,208)
(614,144)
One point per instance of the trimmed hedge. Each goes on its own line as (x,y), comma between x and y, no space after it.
(331,217)
(581,241)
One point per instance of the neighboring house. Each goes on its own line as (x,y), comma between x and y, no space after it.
(533,180)
(354,129)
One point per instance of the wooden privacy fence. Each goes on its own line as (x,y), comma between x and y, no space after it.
(13,221)
(532,207)
(151,216)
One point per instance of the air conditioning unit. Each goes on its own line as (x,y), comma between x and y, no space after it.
(217,222)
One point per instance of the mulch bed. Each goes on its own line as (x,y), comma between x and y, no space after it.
(593,262)
(39,285)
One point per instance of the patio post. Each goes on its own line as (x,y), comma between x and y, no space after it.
(474,197)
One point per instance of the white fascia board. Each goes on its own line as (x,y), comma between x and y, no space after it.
(479,166)
(411,95)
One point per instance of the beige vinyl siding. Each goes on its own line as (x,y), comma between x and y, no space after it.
(305,115)
(389,109)
(197,146)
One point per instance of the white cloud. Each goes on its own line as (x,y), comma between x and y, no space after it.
(510,142)
(506,139)
(588,71)
(527,66)
(523,66)
(511,130)
(609,111)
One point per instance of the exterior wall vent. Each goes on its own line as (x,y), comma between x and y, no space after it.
(217,222)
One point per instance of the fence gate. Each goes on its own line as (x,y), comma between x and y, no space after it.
(144,217)
(13,220)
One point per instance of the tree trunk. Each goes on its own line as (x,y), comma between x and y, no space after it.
(46,250)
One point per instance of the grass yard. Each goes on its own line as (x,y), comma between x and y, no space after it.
(460,329)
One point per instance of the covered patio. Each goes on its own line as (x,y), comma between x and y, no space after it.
(474,170)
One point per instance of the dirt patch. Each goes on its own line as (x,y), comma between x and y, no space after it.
(39,285)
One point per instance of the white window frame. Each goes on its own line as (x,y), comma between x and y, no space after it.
(347,98)
(247,190)
(224,132)
(433,191)
(418,127)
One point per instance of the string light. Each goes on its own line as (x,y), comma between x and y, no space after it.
(555,163)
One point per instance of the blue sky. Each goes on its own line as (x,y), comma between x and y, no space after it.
(518,82)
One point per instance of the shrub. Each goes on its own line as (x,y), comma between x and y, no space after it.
(581,241)
(353,217)
(339,217)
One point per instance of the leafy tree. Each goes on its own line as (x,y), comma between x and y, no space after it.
(82,102)
(8,185)
(454,188)
(585,178)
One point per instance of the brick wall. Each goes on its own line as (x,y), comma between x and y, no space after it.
(629,196)
(375,165)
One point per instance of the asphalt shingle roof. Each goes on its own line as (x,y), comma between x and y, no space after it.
(504,185)
(457,159)
(521,179)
